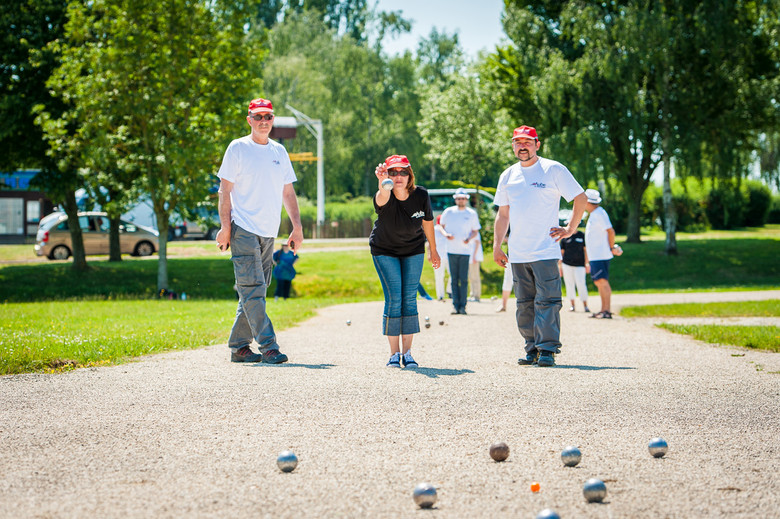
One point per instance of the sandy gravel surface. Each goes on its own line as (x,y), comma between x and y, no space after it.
(189,434)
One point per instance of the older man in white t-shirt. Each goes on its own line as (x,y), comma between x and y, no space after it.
(256,178)
(600,242)
(528,196)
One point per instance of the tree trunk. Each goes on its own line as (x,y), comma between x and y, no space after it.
(162,254)
(670,214)
(632,226)
(114,251)
(76,236)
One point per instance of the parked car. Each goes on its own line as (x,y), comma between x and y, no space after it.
(53,238)
(441,199)
(205,227)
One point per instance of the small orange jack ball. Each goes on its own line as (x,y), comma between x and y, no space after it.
(535,486)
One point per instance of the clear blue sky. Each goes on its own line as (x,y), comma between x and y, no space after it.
(478,23)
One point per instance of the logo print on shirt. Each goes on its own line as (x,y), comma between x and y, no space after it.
(418,214)
(277,162)
(539,184)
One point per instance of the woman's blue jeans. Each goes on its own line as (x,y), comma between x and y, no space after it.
(400,277)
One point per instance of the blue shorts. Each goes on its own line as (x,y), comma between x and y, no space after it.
(599,269)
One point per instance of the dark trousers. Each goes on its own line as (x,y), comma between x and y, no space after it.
(283,288)
(459,275)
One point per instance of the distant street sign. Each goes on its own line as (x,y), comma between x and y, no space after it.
(305,156)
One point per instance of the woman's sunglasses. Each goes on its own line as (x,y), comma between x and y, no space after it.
(400,171)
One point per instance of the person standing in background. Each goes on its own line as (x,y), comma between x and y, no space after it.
(573,267)
(475,262)
(600,241)
(460,224)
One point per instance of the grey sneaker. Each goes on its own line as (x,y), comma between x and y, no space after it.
(395,361)
(546,359)
(529,359)
(408,360)
(274,357)
(245,354)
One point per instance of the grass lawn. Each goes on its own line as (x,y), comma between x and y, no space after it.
(754,337)
(54,317)
(767,308)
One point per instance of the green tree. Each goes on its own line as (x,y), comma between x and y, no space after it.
(464,134)
(27,57)
(367,102)
(618,85)
(157,91)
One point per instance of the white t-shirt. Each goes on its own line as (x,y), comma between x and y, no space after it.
(441,241)
(476,250)
(596,239)
(533,195)
(459,223)
(259,173)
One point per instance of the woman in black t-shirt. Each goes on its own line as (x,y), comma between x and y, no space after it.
(573,267)
(404,221)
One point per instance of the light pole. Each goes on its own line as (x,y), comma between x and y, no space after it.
(315,128)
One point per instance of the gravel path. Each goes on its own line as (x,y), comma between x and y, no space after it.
(188,434)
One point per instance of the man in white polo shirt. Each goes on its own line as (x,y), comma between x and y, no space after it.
(256,178)
(460,224)
(528,196)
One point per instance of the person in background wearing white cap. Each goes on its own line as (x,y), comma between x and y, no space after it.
(461,224)
(600,242)
(256,178)
(404,221)
(528,195)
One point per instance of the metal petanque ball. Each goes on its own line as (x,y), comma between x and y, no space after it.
(349,323)
(424,495)
(499,451)
(427,322)
(287,461)
(571,456)
(658,447)
(548,513)
(387,184)
(441,323)
(594,490)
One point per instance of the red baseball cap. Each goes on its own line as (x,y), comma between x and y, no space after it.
(397,161)
(260,105)
(525,132)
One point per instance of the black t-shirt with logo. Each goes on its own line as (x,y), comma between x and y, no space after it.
(398,228)
(574,249)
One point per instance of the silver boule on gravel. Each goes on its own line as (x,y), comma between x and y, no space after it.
(499,451)
(548,513)
(387,184)
(287,461)
(349,323)
(424,495)
(427,322)
(594,490)
(658,447)
(571,456)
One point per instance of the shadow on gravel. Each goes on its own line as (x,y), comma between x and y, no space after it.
(439,372)
(590,368)
(293,365)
